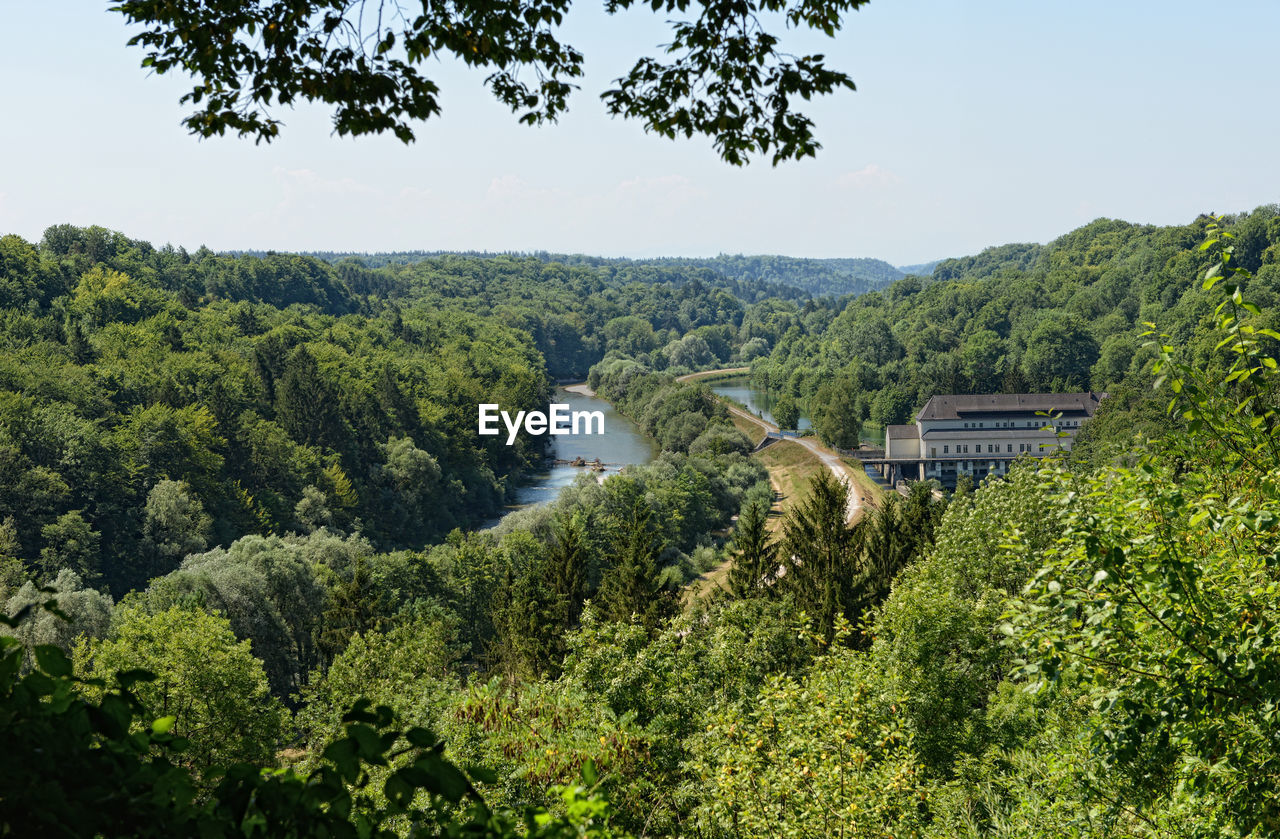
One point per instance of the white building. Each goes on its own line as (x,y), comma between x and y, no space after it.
(981,435)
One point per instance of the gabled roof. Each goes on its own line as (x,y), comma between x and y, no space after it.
(959,406)
(900,432)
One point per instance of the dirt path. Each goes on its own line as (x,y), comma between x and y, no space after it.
(829,458)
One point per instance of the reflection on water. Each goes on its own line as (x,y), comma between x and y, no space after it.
(622,444)
(761,403)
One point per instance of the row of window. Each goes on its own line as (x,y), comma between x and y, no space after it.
(1029,424)
(992,448)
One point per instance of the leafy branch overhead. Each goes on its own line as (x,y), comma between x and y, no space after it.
(723,75)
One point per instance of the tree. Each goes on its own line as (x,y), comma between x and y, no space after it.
(786,412)
(207,680)
(1158,596)
(175,525)
(753,557)
(821,552)
(633,586)
(84,612)
(85,759)
(890,406)
(70,542)
(1060,354)
(722,74)
(307,405)
(834,412)
(568,564)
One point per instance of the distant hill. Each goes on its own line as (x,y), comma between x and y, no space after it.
(923,269)
(782,276)
(819,277)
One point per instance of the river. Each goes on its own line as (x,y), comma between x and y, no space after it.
(761,403)
(622,444)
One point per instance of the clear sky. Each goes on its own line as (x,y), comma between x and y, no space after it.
(976,122)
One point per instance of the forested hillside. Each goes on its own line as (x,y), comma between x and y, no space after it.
(1060,317)
(238,532)
(749,277)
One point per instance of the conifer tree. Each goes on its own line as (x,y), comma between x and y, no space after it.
(352,610)
(821,552)
(528,621)
(567,565)
(307,406)
(754,555)
(633,586)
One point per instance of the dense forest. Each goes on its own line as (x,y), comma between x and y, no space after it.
(238,531)
(751,277)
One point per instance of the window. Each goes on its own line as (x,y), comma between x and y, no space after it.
(933,452)
(990,448)
(946,449)
(1010,449)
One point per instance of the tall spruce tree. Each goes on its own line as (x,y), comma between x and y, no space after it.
(754,556)
(567,568)
(528,621)
(634,585)
(307,406)
(822,553)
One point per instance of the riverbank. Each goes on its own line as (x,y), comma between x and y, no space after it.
(582,388)
(792,462)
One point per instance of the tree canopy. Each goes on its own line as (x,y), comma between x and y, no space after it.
(722,75)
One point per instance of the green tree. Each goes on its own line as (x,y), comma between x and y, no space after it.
(820,553)
(71,543)
(568,564)
(754,560)
(85,759)
(1158,596)
(209,682)
(815,755)
(722,75)
(890,406)
(84,613)
(1060,354)
(834,412)
(307,405)
(786,412)
(175,525)
(633,586)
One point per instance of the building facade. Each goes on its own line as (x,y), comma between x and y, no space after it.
(963,434)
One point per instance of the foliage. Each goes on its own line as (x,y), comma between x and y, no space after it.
(207,683)
(1020,318)
(723,74)
(836,415)
(754,558)
(839,572)
(1159,598)
(85,761)
(816,756)
(786,412)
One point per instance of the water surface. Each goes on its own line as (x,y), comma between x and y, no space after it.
(622,444)
(761,402)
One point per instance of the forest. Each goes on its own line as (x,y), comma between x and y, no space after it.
(245,589)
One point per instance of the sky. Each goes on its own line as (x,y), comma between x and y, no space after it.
(975,123)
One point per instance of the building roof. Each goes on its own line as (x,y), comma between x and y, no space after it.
(900,432)
(959,406)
